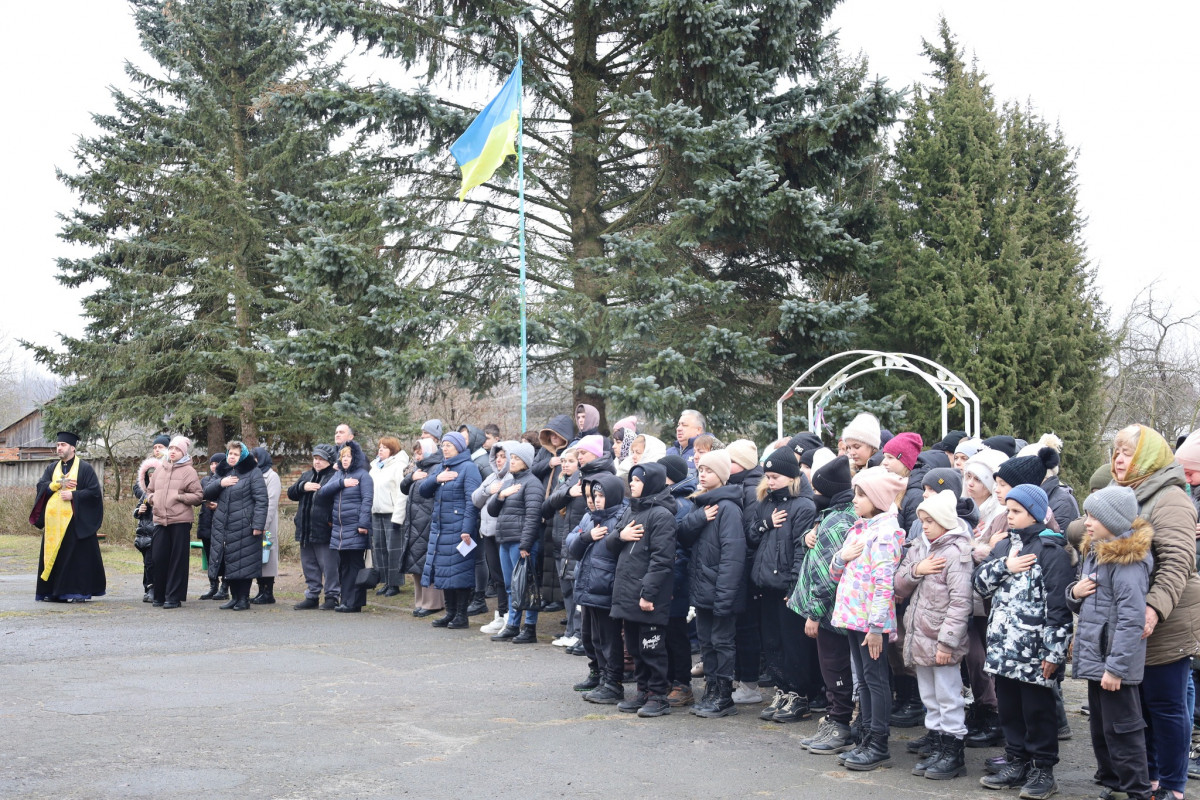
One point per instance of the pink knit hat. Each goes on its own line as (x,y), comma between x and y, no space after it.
(905,447)
(184,444)
(881,487)
(1188,453)
(593,444)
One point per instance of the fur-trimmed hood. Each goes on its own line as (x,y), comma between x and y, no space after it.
(1128,549)
(143,468)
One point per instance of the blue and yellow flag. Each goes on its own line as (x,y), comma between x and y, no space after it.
(490,138)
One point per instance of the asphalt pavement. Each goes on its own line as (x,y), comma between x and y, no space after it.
(116,699)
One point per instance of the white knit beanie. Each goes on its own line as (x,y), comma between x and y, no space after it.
(943,508)
(864,428)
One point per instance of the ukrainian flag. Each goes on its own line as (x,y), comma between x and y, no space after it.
(490,138)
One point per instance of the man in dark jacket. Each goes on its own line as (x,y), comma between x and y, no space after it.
(691,424)
(645,544)
(314,524)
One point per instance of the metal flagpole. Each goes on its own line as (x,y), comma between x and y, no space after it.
(521,231)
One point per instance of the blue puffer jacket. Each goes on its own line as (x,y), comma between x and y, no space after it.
(453,515)
(351,504)
(597,565)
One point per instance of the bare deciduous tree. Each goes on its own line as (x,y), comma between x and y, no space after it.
(1153,375)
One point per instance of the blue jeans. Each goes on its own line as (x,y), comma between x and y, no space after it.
(1168,724)
(510,554)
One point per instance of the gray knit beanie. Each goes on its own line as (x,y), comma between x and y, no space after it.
(1114,507)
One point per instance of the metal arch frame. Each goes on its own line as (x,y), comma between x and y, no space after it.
(940,379)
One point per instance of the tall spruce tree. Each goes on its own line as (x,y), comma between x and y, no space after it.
(237,277)
(695,172)
(982,265)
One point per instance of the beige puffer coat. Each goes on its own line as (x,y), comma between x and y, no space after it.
(939,606)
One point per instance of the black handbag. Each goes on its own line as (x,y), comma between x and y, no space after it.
(368,577)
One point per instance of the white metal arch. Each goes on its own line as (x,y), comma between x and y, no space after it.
(945,383)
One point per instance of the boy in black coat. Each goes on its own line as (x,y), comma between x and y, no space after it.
(644,541)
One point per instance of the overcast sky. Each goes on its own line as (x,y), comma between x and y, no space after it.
(1122,86)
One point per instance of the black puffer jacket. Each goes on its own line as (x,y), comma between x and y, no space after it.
(1062,501)
(717,572)
(747,480)
(645,567)
(779,552)
(563,510)
(417,518)
(241,509)
(482,461)
(314,515)
(597,564)
(519,516)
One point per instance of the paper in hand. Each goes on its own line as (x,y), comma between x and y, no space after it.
(465,547)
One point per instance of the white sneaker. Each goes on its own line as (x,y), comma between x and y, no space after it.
(747,692)
(568,641)
(495,626)
(561,641)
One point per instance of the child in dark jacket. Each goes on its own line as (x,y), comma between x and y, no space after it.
(783,513)
(679,645)
(144,535)
(594,587)
(1110,653)
(714,532)
(645,544)
(1029,628)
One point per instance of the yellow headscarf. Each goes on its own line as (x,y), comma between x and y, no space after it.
(1151,454)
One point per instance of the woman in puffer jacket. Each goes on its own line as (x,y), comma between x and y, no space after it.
(496,480)
(564,507)
(455,522)
(418,515)
(387,470)
(238,523)
(518,512)
(351,492)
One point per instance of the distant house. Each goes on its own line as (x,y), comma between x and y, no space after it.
(25,451)
(24,440)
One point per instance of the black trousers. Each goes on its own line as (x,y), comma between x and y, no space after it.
(602,643)
(148,567)
(491,554)
(647,644)
(239,588)
(717,644)
(679,651)
(793,660)
(1118,739)
(748,641)
(875,694)
(1029,722)
(834,655)
(349,563)
(169,553)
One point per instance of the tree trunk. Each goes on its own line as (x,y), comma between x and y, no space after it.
(241,292)
(583,198)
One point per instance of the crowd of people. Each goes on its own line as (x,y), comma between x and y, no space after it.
(946,586)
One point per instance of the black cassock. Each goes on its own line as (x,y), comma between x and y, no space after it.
(78,572)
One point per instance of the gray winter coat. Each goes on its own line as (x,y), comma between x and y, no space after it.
(1109,633)
(236,553)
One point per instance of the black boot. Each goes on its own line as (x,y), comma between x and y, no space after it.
(935,742)
(952,762)
(592,681)
(1040,783)
(722,703)
(460,620)
(528,635)
(988,732)
(506,634)
(223,592)
(1012,776)
(478,605)
(235,596)
(451,596)
(212,590)
(707,699)
(243,597)
(266,592)
(873,755)
(910,714)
